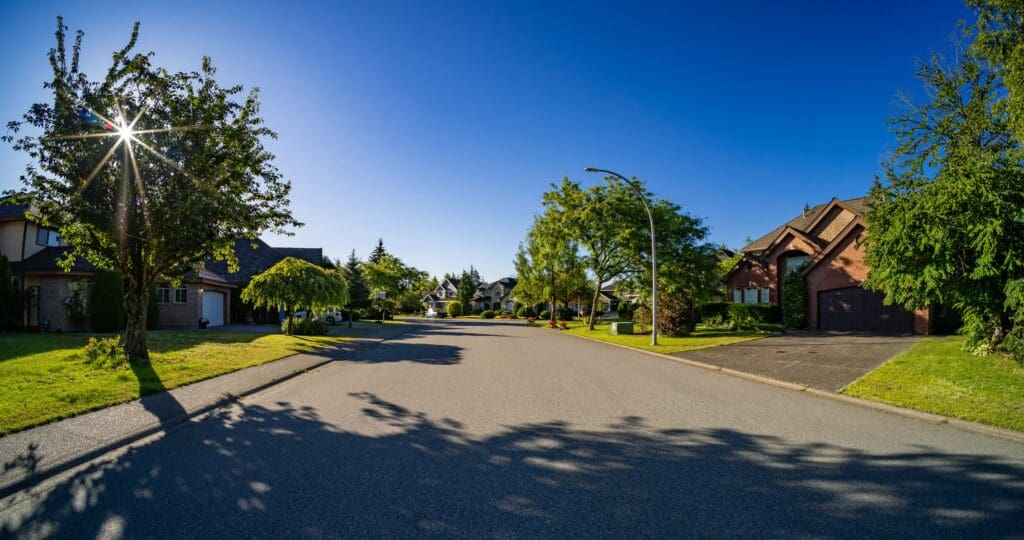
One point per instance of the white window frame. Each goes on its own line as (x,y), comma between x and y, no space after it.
(737,296)
(750,295)
(181,298)
(766,295)
(163,295)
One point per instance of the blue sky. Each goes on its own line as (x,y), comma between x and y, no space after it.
(437,125)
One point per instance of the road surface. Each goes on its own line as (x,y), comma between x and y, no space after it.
(490,429)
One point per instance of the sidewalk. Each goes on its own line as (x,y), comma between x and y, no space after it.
(35,454)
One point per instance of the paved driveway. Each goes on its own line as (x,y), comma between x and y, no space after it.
(827,361)
(473,430)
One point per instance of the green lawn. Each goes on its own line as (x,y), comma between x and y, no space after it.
(936,376)
(700,339)
(44,377)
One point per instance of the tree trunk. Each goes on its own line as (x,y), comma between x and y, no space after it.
(136,302)
(593,304)
(1002,326)
(553,304)
(289,329)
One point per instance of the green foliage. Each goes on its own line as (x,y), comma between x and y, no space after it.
(105,353)
(306,327)
(714,311)
(468,282)
(642,318)
(946,227)
(564,314)
(545,314)
(11,301)
(454,308)
(525,311)
(295,284)
(378,253)
(403,285)
(487,314)
(677,316)
(108,300)
(359,293)
(794,300)
(755,313)
(548,264)
(149,216)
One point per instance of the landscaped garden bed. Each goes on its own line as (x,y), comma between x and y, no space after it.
(700,339)
(46,377)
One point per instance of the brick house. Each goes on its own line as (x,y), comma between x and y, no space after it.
(34,252)
(825,243)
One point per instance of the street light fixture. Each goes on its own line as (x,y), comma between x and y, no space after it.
(654,249)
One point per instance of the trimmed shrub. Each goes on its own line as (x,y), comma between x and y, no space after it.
(794,301)
(306,327)
(107,300)
(545,314)
(677,317)
(487,314)
(1014,343)
(525,312)
(454,308)
(565,314)
(759,313)
(714,312)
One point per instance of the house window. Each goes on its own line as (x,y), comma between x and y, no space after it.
(180,295)
(163,295)
(750,295)
(766,297)
(48,237)
(737,296)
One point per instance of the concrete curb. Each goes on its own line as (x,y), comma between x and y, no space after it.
(931,418)
(170,424)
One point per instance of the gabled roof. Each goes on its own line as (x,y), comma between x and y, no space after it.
(430,297)
(806,221)
(255,256)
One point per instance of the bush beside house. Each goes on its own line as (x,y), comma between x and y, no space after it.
(454,308)
(107,300)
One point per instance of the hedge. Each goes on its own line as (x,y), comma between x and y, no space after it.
(454,308)
(487,314)
(726,311)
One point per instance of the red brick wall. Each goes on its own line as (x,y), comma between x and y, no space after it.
(843,267)
(187,315)
(769,276)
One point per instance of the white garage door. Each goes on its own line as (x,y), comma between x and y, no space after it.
(213,307)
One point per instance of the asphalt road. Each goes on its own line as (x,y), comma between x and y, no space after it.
(476,429)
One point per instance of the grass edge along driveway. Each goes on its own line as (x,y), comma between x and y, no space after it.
(936,375)
(45,377)
(700,339)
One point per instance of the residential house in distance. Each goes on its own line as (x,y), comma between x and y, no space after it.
(445,292)
(254,257)
(34,252)
(824,244)
(496,295)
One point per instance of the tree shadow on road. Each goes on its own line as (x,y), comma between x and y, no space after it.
(279,470)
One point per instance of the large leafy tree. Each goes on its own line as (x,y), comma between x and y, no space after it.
(194,176)
(295,284)
(402,285)
(947,225)
(548,265)
(608,223)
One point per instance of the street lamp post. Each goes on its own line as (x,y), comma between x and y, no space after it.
(654,249)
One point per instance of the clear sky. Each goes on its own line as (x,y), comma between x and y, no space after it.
(437,125)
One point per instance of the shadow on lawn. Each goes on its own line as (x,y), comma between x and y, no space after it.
(278,470)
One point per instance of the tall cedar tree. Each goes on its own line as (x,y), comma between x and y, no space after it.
(947,226)
(359,293)
(378,252)
(157,207)
(468,282)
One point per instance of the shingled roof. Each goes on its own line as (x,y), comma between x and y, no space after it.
(46,261)
(255,256)
(12,212)
(803,221)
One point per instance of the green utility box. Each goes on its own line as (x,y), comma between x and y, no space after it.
(622,327)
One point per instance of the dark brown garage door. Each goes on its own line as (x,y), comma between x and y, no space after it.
(855,309)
